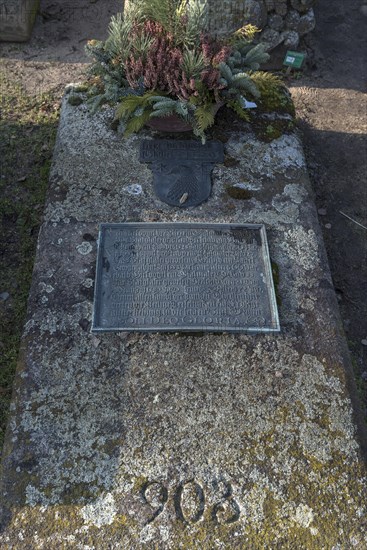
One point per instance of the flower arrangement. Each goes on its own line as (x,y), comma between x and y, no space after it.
(159,61)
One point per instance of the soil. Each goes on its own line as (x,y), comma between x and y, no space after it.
(331,104)
(331,108)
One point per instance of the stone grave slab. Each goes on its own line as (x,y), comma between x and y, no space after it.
(16,19)
(141,440)
(184,277)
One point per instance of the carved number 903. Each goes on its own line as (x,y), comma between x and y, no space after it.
(189,501)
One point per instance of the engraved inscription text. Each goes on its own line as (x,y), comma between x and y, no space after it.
(165,276)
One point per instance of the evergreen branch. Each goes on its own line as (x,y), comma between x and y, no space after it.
(154,98)
(131,103)
(166,104)
(266,80)
(256,56)
(136,123)
(243,82)
(226,72)
(161,113)
(204,116)
(236,106)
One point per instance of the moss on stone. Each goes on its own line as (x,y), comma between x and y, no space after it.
(78,493)
(237,192)
(75,100)
(277,100)
(81,88)
(139,483)
(268,131)
(230,161)
(272,132)
(275,273)
(204,534)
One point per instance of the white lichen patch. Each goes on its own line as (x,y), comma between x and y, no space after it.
(249,186)
(88,283)
(309,303)
(134,189)
(285,207)
(285,152)
(69,131)
(301,247)
(46,288)
(34,496)
(295,192)
(50,321)
(101,512)
(84,248)
(267,159)
(303,515)
(315,441)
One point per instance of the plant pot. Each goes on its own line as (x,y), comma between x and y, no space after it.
(174,123)
(171,123)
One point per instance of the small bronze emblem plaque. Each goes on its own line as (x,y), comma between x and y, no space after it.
(184,277)
(181,169)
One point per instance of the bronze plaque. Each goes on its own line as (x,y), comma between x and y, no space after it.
(184,277)
(181,169)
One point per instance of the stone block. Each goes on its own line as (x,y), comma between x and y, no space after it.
(255,12)
(306,23)
(302,5)
(290,39)
(168,441)
(271,37)
(281,7)
(276,22)
(16,19)
(292,20)
(270,5)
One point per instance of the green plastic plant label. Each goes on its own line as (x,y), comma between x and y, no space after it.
(294,59)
